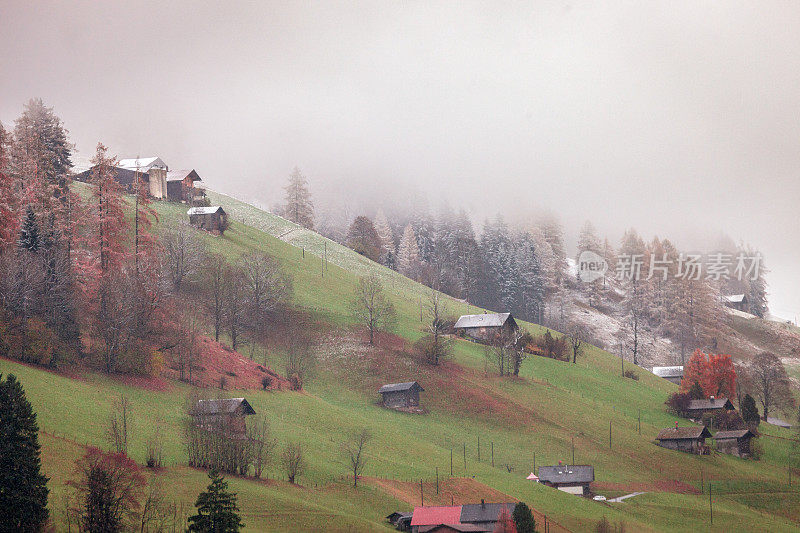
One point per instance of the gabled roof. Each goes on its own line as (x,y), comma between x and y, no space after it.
(735,298)
(221,406)
(484,512)
(397,387)
(668,371)
(683,433)
(433,516)
(567,474)
(707,404)
(486,320)
(142,164)
(204,210)
(179,175)
(734,434)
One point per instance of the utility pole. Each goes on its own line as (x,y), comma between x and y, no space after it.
(465,458)
(573,451)
(534,463)
(421,495)
(451,461)
(790,473)
(609,434)
(437,480)
(702,482)
(479,448)
(640,422)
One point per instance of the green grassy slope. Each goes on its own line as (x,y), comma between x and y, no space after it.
(538,415)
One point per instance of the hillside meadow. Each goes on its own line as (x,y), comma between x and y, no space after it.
(510,422)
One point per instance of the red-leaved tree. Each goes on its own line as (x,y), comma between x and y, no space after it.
(714,372)
(505,524)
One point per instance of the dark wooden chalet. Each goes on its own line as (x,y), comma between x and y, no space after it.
(212,218)
(180,185)
(226,415)
(484,515)
(401,395)
(737,301)
(685,439)
(735,442)
(574,479)
(714,405)
(487,327)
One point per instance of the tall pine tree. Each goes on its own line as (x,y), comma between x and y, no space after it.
(216,508)
(299,208)
(23,488)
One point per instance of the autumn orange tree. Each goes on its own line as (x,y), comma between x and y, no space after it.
(714,372)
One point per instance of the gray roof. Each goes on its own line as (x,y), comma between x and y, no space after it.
(492,320)
(733,434)
(668,371)
(204,210)
(706,404)
(484,512)
(396,387)
(225,405)
(778,422)
(684,433)
(179,175)
(735,298)
(567,473)
(142,164)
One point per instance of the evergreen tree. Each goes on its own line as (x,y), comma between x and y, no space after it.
(299,208)
(387,239)
(523,518)
(41,150)
(749,411)
(23,488)
(9,194)
(29,238)
(408,254)
(216,508)
(363,238)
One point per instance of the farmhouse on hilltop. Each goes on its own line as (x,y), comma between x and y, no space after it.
(212,218)
(574,479)
(401,395)
(685,439)
(227,415)
(487,326)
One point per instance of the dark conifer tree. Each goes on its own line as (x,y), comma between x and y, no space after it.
(29,237)
(216,508)
(523,519)
(23,488)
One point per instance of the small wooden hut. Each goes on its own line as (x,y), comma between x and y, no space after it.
(401,395)
(212,218)
(487,327)
(734,442)
(685,439)
(226,415)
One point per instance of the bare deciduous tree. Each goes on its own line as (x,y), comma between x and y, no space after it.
(439,347)
(261,444)
(577,335)
(371,306)
(119,423)
(766,377)
(292,461)
(184,251)
(214,276)
(354,450)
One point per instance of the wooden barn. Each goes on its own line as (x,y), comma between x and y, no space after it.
(401,395)
(698,407)
(673,374)
(685,439)
(487,327)
(735,442)
(180,185)
(227,415)
(574,479)
(737,301)
(212,218)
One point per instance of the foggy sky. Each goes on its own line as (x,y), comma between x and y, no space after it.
(680,119)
